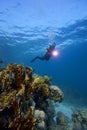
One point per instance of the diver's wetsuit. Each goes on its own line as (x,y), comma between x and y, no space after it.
(45,57)
(47,54)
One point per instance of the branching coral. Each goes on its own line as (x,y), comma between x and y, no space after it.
(15,85)
(28,83)
(41,83)
(7,99)
(23,122)
(18,87)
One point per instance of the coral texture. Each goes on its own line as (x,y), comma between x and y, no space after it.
(24,98)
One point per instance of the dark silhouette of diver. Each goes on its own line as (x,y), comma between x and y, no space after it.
(48,53)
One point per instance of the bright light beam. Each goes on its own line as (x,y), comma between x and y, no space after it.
(55,53)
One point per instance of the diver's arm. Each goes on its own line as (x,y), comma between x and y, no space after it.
(48,49)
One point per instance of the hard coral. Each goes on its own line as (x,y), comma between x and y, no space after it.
(42,84)
(28,83)
(55,93)
(23,122)
(79,118)
(18,88)
(7,99)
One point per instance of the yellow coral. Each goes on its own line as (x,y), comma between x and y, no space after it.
(41,83)
(15,83)
(23,122)
(45,89)
(28,83)
(7,99)
(11,67)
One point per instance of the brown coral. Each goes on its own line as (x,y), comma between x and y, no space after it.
(23,122)
(41,83)
(28,83)
(18,86)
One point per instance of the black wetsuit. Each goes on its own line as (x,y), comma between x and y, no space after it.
(47,54)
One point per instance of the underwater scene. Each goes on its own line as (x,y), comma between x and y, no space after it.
(43,65)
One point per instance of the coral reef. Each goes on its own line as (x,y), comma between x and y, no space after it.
(25,99)
(55,93)
(78,121)
(41,117)
(62,121)
(27,102)
(79,118)
(23,122)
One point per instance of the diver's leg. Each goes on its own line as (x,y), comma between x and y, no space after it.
(34,59)
(37,57)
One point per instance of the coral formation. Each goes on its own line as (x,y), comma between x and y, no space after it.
(41,117)
(78,121)
(55,93)
(23,122)
(62,121)
(26,102)
(79,118)
(25,99)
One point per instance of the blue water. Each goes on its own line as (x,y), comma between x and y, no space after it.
(19,44)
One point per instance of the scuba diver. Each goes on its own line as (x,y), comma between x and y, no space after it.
(48,53)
